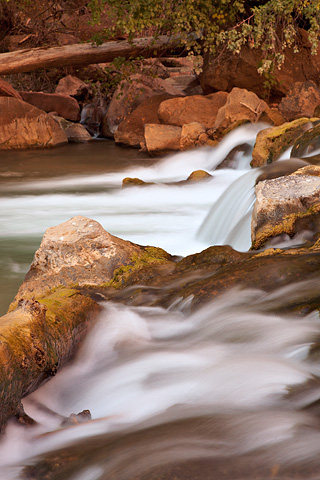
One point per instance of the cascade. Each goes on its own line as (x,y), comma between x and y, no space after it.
(230,389)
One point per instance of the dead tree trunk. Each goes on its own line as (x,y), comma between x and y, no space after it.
(82,54)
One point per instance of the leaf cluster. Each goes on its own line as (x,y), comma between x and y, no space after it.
(208,25)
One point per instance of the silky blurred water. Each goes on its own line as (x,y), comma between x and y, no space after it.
(230,391)
(40,189)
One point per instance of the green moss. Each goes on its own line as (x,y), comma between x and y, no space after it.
(149,256)
(273,141)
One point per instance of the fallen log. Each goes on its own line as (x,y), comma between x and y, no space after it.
(83,54)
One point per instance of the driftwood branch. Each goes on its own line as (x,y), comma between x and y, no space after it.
(82,54)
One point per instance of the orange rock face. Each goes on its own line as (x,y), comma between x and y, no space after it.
(25,126)
(197,108)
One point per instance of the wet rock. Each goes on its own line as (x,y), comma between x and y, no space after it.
(73,87)
(198,176)
(300,101)
(65,106)
(129,95)
(235,155)
(240,105)
(134,182)
(37,338)
(92,116)
(272,142)
(279,169)
(76,419)
(6,90)
(285,205)
(313,170)
(25,126)
(79,252)
(201,109)
(192,135)
(131,130)
(307,142)
(161,139)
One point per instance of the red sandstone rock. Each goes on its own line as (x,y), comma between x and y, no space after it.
(24,126)
(197,108)
(6,90)
(300,101)
(72,86)
(129,95)
(65,106)
(131,130)
(162,139)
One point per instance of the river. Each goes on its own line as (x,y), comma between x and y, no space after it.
(227,392)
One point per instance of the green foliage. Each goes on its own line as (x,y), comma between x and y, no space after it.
(205,25)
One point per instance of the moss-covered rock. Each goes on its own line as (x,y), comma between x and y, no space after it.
(285,205)
(307,142)
(36,338)
(272,142)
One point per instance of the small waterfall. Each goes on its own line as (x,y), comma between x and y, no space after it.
(229,219)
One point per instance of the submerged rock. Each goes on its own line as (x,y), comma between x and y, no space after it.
(285,205)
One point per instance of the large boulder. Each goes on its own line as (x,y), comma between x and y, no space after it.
(24,126)
(161,139)
(65,106)
(129,95)
(285,205)
(241,105)
(301,101)
(6,90)
(72,86)
(197,108)
(228,70)
(81,252)
(272,142)
(131,130)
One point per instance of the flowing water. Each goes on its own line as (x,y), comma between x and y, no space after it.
(228,392)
